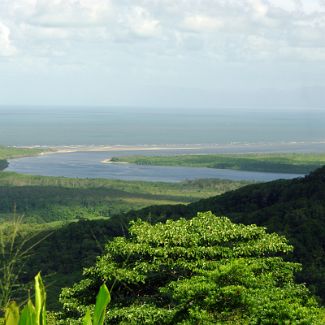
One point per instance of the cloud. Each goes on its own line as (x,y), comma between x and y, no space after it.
(259,7)
(71,14)
(227,30)
(202,23)
(140,22)
(6,47)
(117,44)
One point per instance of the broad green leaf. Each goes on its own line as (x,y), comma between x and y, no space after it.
(12,314)
(87,319)
(102,300)
(40,299)
(28,315)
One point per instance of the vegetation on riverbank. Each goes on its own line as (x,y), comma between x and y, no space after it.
(14,152)
(3,164)
(296,163)
(46,199)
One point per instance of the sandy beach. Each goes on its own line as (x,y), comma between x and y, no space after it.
(104,148)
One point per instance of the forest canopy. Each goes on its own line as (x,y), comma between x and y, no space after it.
(205,270)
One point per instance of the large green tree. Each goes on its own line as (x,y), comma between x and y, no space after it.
(206,270)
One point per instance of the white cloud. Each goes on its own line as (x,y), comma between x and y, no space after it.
(198,43)
(202,23)
(69,13)
(241,29)
(6,47)
(141,23)
(259,7)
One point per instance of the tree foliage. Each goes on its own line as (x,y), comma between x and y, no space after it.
(46,199)
(206,270)
(3,164)
(300,163)
(294,208)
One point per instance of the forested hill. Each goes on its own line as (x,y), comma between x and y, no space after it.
(294,208)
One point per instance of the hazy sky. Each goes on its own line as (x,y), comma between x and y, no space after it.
(163,53)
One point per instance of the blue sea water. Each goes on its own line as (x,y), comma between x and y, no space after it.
(223,130)
(26,126)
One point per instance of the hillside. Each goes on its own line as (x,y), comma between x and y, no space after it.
(51,207)
(294,208)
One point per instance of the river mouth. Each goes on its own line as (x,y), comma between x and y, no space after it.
(93,164)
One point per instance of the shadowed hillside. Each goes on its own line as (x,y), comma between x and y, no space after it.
(295,208)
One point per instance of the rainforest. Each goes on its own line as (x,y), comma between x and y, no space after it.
(163,247)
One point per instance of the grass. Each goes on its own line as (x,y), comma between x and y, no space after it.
(14,152)
(300,163)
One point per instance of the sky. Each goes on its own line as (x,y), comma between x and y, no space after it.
(214,54)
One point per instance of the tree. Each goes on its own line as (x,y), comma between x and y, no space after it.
(206,270)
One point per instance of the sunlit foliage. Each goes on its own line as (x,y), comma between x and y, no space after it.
(200,271)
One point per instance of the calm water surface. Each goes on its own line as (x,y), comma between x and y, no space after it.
(108,126)
(89,165)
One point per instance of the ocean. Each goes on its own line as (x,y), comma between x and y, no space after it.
(53,126)
(207,131)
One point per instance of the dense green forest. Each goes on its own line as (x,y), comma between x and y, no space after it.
(294,208)
(280,163)
(51,207)
(70,222)
(53,211)
(46,199)
(206,270)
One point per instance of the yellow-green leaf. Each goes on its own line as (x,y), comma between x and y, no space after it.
(102,300)
(12,314)
(40,299)
(87,319)
(28,315)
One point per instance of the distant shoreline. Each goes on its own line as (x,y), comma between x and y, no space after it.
(70,149)
(290,146)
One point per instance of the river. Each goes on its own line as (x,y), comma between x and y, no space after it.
(90,165)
